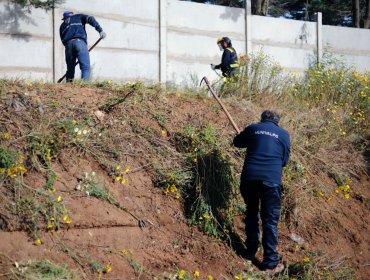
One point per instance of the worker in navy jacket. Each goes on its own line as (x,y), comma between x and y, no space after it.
(73,35)
(229,62)
(268,150)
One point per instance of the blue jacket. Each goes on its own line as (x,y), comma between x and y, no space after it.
(73,27)
(229,61)
(268,150)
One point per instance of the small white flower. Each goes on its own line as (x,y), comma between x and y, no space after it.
(93,173)
(87,193)
(76,129)
(78,187)
(79,132)
(84,131)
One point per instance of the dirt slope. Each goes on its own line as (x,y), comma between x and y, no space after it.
(101,233)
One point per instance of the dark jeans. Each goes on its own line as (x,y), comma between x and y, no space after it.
(77,49)
(267,196)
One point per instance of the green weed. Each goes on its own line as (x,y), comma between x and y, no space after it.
(8,158)
(43,270)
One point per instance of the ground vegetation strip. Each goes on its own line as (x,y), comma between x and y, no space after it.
(100,180)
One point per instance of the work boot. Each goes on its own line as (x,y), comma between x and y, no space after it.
(275,271)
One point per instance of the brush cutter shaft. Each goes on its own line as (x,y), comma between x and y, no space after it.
(93,46)
(222,105)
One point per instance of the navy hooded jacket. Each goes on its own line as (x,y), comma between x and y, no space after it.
(268,150)
(73,27)
(229,61)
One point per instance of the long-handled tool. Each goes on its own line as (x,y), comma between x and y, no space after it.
(93,46)
(218,74)
(220,102)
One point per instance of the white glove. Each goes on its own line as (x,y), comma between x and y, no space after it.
(213,67)
(102,34)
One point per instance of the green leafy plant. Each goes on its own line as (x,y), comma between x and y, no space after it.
(43,270)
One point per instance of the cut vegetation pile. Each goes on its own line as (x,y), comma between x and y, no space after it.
(112,181)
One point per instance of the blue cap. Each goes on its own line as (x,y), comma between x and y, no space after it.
(66,14)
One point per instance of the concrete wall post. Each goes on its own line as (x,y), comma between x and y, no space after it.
(248,27)
(162,41)
(319,37)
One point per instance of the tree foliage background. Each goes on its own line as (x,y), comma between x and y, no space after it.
(44,4)
(334,12)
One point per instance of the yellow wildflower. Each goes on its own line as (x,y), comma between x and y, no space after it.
(306,260)
(210,277)
(118,167)
(118,178)
(59,199)
(182,274)
(177,196)
(108,268)
(38,242)
(123,181)
(65,217)
(125,252)
(196,274)
(347,195)
(173,188)
(6,135)
(239,277)
(74,122)
(127,169)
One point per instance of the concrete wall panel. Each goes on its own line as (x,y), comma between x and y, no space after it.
(277,30)
(25,23)
(26,43)
(351,45)
(295,60)
(215,21)
(124,65)
(290,42)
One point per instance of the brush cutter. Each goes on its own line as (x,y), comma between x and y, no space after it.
(91,48)
(220,102)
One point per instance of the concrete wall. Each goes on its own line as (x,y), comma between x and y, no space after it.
(26,43)
(165,40)
(290,42)
(351,45)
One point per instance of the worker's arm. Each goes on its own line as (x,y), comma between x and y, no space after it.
(241,140)
(92,21)
(286,152)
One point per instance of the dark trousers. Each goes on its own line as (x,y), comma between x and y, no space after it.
(262,199)
(77,49)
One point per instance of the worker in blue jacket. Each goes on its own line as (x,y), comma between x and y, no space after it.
(268,150)
(229,62)
(73,35)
